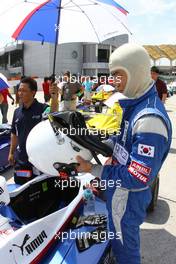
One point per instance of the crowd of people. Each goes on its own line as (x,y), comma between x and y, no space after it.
(71,87)
(69,91)
(138,152)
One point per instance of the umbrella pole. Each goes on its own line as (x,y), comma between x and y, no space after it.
(56,39)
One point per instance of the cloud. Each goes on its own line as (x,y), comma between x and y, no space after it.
(151,21)
(151,7)
(171,39)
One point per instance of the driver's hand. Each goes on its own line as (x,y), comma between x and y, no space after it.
(84,165)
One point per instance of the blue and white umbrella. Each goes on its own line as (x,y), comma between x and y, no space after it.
(64,21)
(3,82)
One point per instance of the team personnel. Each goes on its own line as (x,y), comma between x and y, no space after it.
(45,86)
(25,118)
(4,104)
(69,90)
(160,85)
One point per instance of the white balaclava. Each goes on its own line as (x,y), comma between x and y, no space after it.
(135,61)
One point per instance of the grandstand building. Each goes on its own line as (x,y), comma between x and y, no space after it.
(163,56)
(33,59)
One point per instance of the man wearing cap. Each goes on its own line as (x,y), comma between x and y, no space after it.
(138,152)
(160,85)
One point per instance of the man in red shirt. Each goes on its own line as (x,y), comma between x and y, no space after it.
(45,86)
(4,105)
(160,85)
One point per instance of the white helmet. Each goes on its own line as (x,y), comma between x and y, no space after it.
(45,148)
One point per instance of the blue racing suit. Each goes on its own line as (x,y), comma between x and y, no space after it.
(138,155)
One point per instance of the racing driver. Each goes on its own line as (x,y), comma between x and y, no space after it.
(138,152)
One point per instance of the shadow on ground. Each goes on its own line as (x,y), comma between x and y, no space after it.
(160,215)
(158,247)
(172,151)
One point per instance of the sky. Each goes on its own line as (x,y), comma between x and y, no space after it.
(150,21)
